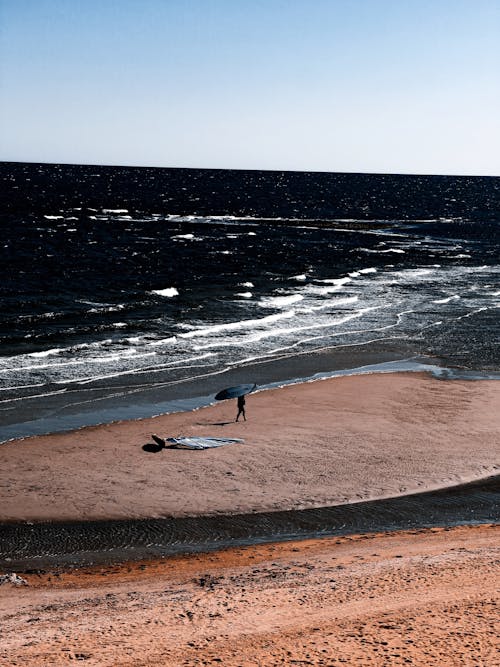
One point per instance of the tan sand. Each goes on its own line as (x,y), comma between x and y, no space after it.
(428,598)
(320,443)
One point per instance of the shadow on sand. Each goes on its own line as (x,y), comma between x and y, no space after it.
(152,448)
(215,423)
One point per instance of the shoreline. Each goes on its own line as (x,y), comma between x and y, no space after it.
(57,424)
(355,451)
(71,409)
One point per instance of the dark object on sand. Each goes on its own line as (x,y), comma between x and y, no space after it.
(158,440)
(241,408)
(235,392)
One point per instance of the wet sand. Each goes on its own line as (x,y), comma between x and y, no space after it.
(424,597)
(317,444)
(54,544)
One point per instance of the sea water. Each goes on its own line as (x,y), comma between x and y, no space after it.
(129,291)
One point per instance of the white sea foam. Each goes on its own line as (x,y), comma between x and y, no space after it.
(134,371)
(330,304)
(168,292)
(25,398)
(196,358)
(107,309)
(412,273)
(279,301)
(335,281)
(235,326)
(107,359)
(164,341)
(46,353)
(245,295)
(115,210)
(284,333)
(187,237)
(381,252)
(54,217)
(369,270)
(448,299)
(247,284)
(96,344)
(300,277)
(336,286)
(246,339)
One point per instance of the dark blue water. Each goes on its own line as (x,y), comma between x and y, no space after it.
(120,281)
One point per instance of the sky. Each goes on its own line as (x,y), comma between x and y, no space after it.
(387,86)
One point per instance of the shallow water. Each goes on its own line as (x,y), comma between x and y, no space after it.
(47,545)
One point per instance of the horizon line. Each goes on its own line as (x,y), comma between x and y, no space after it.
(280,171)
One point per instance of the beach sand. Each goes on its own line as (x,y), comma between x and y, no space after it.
(308,445)
(425,597)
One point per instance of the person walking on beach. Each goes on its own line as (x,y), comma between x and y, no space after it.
(241,408)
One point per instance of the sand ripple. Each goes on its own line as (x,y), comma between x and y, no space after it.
(77,543)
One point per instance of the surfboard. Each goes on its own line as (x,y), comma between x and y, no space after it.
(194,442)
(201,442)
(234,392)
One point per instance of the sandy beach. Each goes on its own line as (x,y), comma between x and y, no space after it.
(309,445)
(424,597)
(421,597)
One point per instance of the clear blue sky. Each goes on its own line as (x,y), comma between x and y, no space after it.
(408,86)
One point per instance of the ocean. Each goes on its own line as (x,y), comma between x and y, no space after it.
(127,291)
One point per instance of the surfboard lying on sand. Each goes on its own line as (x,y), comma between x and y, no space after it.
(195,442)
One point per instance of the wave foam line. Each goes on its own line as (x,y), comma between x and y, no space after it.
(266,357)
(335,281)
(474,312)
(168,292)
(279,301)
(329,304)
(134,371)
(447,300)
(105,360)
(26,398)
(263,358)
(329,347)
(279,332)
(234,326)
(46,353)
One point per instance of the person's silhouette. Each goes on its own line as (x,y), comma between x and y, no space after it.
(241,408)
